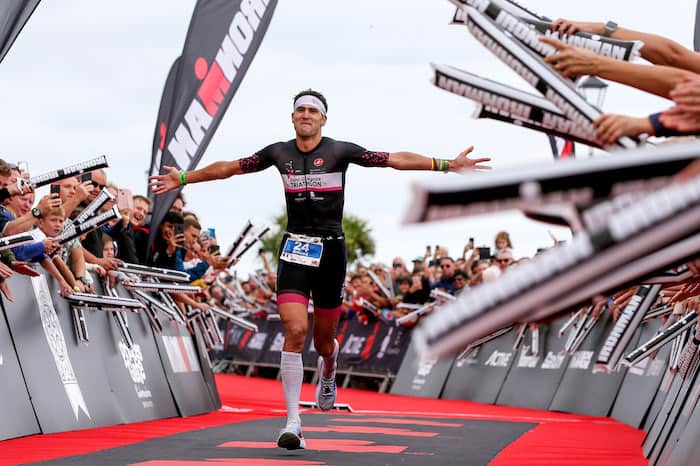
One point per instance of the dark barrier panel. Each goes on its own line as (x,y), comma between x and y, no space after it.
(641,382)
(183,371)
(68,386)
(681,423)
(480,377)
(659,400)
(245,345)
(271,352)
(374,348)
(389,350)
(687,450)
(17,417)
(657,425)
(357,343)
(581,390)
(533,380)
(424,378)
(667,418)
(205,364)
(136,374)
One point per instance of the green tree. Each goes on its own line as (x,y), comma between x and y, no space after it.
(357,236)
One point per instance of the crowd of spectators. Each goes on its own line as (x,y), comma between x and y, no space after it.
(373,292)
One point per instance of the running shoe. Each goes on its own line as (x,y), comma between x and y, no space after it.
(291,437)
(326,390)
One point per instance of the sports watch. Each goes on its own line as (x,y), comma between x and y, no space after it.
(610,27)
(36,213)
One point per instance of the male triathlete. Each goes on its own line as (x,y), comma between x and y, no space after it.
(312,255)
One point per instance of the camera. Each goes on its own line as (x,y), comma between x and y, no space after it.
(55,188)
(214,249)
(179,229)
(22,184)
(86,177)
(484,253)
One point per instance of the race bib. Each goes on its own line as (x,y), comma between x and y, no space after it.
(304,250)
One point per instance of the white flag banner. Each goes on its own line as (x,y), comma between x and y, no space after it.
(528,27)
(511,7)
(577,183)
(656,221)
(508,104)
(538,74)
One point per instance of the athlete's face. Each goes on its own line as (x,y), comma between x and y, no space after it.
(307,121)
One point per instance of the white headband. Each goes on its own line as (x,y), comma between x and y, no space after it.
(314,102)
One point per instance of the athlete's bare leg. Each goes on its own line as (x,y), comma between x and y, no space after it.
(324,334)
(295,318)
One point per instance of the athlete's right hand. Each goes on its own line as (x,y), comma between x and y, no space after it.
(160,184)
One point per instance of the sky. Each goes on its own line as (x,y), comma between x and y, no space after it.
(85,78)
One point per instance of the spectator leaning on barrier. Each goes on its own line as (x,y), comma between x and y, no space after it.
(50,226)
(70,193)
(477,271)
(197,259)
(490,274)
(419,292)
(121,231)
(178,204)
(460,281)
(446,282)
(167,243)
(92,242)
(142,206)
(504,259)
(9,224)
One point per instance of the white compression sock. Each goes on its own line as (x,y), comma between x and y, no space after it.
(292,373)
(329,361)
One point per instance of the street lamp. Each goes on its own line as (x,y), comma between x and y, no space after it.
(593,90)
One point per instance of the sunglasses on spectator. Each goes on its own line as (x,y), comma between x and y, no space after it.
(504,261)
(98,185)
(396,266)
(445,266)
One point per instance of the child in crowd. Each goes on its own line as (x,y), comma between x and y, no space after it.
(50,226)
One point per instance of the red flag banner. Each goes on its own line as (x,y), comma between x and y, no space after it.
(221,42)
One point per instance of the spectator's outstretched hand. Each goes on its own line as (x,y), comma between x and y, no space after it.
(685,116)
(66,289)
(610,127)
(218,262)
(5,271)
(681,120)
(571,61)
(686,94)
(568,27)
(5,290)
(462,162)
(24,269)
(168,181)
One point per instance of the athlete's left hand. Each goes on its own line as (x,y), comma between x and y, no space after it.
(160,184)
(462,162)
